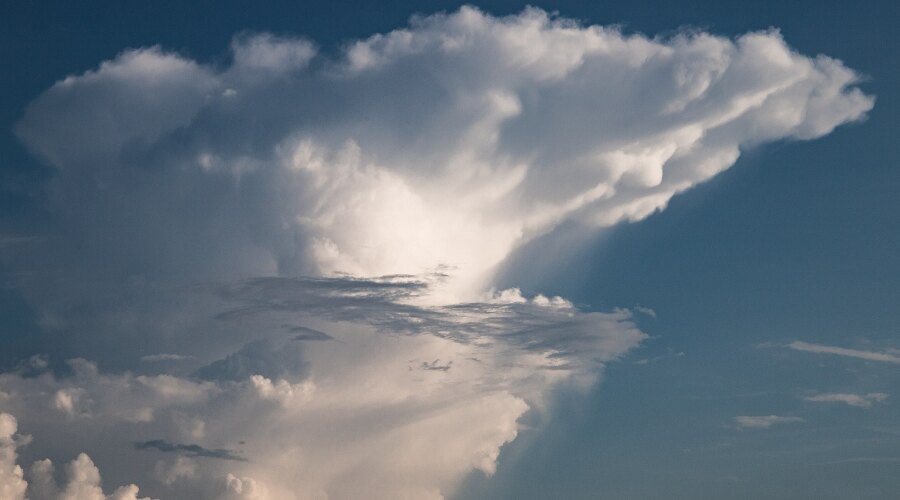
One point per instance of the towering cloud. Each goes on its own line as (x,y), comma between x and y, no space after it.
(300,247)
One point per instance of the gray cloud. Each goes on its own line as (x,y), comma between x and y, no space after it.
(271,359)
(436,366)
(191,450)
(306,333)
(539,325)
(158,358)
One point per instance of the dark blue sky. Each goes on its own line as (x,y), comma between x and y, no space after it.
(797,242)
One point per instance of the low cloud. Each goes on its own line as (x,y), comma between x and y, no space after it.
(82,476)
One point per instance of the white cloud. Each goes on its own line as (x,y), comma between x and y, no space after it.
(439,149)
(361,418)
(66,400)
(12,482)
(447,143)
(763,421)
(883,357)
(237,488)
(858,400)
(83,477)
(82,483)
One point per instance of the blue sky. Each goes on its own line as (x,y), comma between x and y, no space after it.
(768,367)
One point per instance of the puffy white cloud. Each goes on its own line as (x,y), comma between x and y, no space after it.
(12,481)
(239,488)
(82,476)
(83,482)
(763,421)
(439,148)
(858,400)
(67,400)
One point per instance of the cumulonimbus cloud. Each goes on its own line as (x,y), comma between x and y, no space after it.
(191,199)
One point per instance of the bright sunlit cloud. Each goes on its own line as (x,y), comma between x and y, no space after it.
(280,269)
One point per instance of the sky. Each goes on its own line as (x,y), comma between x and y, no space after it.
(427,250)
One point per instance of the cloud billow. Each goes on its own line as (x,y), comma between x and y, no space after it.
(200,208)
(446,143)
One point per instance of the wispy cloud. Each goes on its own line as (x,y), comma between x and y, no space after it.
(883,357)
(157,358)
(763,421)
(191,450)
(858,400)
(394,305)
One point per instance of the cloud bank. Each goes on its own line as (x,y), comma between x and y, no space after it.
(287,258)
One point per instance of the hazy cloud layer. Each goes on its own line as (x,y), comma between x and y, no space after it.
(288,257)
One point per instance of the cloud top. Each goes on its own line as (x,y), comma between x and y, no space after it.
(449,142)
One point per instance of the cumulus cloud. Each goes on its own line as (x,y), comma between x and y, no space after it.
(884,357)
(312,238)
(763,421)
(82,476)
(12,481)
(858,400)
(82,483)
